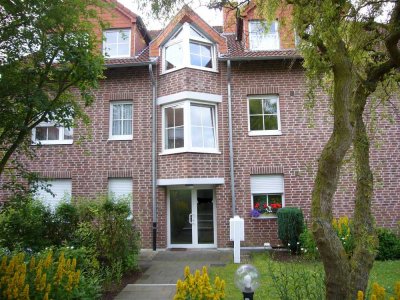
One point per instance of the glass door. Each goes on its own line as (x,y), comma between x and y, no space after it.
(180,216)
(205,216)
(191,218)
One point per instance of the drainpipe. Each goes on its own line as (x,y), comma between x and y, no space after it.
(153,156)
(231,167)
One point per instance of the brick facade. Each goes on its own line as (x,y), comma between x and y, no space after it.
(93,158)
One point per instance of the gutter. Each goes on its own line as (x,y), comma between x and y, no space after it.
(249,58)
(140,64)
(153,155)
(231,166)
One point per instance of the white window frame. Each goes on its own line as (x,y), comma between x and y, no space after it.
(60,141)
(120,136)
(185,40)
(264,132)
(264,46)
(105,42)
(258,193)
(187,128)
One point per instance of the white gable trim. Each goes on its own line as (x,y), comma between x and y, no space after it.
(190,181)
(189,95)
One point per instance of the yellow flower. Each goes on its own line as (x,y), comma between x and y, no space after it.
(360,295)
(186,271)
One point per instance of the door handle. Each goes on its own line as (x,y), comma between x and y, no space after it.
(190,219)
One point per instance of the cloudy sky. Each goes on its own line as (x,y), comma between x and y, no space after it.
(212,17)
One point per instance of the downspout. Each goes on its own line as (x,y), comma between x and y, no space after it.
(153,156)
(231,167)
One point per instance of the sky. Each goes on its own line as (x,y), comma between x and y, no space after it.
(212,17)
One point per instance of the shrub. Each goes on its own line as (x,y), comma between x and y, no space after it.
(389,245)
(65,222)
(106,230)
(44,277)
(24,223)
(308,245)
(197,286)
(290,226)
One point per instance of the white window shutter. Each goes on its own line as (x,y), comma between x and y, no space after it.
(266,184)
(120,187)
(61,188)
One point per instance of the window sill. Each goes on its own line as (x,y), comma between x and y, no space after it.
(265,132)
(213,70)
(39,143)
(185,150)
(265,218)
(121,138)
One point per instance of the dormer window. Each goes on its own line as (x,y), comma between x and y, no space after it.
(117,43)
(188,48)
(263,36)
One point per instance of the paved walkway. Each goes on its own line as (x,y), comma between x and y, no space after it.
(162,269)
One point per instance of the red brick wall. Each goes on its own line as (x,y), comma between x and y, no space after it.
(90,161)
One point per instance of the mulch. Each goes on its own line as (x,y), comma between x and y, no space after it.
(114,290)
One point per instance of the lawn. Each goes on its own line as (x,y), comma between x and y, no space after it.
(298,278)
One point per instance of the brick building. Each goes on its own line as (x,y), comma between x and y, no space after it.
(199,123)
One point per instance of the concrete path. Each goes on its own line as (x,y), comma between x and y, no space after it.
(162,269)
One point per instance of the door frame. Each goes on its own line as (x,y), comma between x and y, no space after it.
(195,243)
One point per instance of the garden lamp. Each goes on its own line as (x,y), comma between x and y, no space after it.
(246,279)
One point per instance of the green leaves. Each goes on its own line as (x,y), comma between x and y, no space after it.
(50,61)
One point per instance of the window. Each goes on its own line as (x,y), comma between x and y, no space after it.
(53,192)
(121,120)
(189,126)
(267,195)
(188,48)
(121,188)
(264,118)
(263,36)
(48,133)
(117,43)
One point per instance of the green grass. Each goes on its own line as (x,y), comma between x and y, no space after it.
(302,277)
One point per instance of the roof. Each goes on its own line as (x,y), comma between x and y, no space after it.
(237,51)
(139,60)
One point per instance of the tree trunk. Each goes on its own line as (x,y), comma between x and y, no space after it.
(363,233)
(335,261)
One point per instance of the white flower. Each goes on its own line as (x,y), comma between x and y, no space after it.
(298,243)
(316,248)
(305,250)
(288,244)
(302,249)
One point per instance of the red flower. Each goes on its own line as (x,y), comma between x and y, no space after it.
(265,205)
(257,205)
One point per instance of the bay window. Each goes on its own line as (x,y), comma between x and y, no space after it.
(189,126)
(188,48)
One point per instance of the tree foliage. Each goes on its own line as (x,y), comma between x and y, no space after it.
(49,64)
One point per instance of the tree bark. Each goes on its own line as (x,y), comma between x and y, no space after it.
(334,258)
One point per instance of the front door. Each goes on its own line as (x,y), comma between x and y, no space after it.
(191,218)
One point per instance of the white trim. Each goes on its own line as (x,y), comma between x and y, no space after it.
(190,181)
(185,40)
(213,98)
(278,116)
(187,142)
(57,142)
(263,46)
(190,150)
(60,141)
(194,243)
(122,137)
(105,43)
